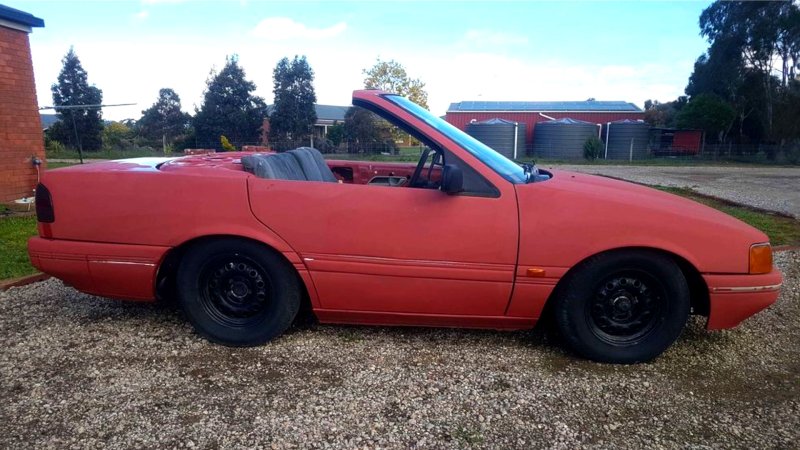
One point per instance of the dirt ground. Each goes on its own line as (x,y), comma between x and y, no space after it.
(78,371)
(771,188)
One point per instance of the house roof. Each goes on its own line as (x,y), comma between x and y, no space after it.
(19,17)
(324,112)
(48,120)
(584,106)
(331,112)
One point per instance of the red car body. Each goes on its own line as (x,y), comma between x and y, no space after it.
(390,255)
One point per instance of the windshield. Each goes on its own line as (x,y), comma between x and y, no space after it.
(505,167)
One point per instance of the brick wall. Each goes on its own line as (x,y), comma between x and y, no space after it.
(20,125)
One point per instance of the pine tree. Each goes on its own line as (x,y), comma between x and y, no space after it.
(229,108)
(79,128)
(293,113)
(164,120)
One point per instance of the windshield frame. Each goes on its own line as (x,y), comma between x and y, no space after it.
(506,168)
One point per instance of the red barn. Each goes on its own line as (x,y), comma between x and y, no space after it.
(600,112)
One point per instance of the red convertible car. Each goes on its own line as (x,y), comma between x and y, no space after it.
(463,238)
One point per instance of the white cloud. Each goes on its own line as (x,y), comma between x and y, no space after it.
(284,29)
(141,15)
(134,71)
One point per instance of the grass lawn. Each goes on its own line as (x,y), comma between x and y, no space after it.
(56,165)
(782,230)
(14,234)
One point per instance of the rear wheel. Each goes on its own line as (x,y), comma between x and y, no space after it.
(236,292)
(623,307)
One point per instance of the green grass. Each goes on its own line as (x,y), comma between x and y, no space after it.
(56,165)
(782,230)
(14,234)
(106,154)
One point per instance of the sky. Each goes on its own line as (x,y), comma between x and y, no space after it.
(462,50)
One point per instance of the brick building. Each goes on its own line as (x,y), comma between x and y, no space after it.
(20,126)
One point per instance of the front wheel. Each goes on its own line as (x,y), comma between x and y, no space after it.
(623,307)
(237,293)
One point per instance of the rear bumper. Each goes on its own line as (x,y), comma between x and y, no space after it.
(733,298)
(110,270)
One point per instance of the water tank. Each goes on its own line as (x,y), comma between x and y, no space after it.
(627,139)
(562,138)
(504,136)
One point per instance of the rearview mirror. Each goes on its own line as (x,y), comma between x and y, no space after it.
(452,179)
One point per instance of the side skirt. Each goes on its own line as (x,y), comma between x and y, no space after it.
(423,320)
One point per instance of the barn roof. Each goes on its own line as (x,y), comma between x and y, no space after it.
(579,106)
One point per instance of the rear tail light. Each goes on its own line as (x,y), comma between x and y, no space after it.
(44,205)
(760,258)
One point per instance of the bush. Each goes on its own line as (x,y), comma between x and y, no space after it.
(226,144)
(592,148)
(54,148)
(325,145)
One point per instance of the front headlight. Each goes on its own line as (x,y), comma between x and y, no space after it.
(760,258)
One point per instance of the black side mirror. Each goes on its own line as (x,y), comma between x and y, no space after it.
(452,179)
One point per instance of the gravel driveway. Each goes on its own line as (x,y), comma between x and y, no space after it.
(82,371)
(770,188)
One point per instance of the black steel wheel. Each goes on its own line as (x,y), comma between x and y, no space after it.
(623,307)
(236,292)
(626,306)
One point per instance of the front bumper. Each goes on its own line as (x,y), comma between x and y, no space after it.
(733,298)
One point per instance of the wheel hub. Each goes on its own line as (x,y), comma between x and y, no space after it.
(625,307)
(236,289)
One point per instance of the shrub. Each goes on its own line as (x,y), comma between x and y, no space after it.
(592,148)
(54,148)
(226,144)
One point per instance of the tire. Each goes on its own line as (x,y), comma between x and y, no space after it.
(623,307)
(237,293)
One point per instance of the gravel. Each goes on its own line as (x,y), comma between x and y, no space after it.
(82,371)
(770,188)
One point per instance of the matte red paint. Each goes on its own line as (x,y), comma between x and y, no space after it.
(386,255)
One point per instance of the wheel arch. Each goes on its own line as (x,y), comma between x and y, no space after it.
(698,289)
(165,276)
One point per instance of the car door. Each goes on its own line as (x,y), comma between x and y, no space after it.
(396,249)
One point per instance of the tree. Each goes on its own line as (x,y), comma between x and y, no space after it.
(759,34)
(709,113)
(366,132)
(391,76)
(293,114)
(117,135)
(336,134)
(164,121)
(659,114)
(229,108)
(80,126)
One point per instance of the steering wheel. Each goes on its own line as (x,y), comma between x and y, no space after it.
(414,181)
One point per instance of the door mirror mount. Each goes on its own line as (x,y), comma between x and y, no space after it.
(452,179)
